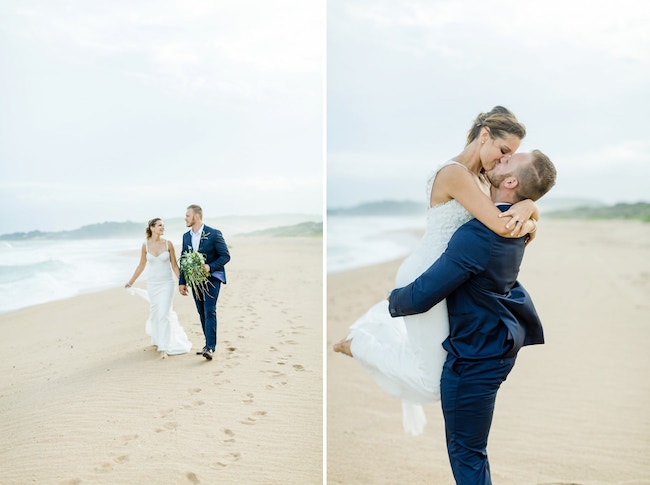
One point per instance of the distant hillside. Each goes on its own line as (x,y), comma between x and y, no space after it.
(174,227)
(552,204)
(304,229)
(103,230)
(639,211)
(381,208)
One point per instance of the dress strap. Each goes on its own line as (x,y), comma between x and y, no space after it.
(432,177)
(455,163)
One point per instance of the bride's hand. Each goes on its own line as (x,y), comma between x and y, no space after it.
(520,215)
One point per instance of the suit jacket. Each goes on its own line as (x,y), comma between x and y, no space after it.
(213,247)
(490,314)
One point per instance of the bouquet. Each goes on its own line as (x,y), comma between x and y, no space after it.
(193,267)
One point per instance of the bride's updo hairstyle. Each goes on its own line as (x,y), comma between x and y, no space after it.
(150,224)
(499,122)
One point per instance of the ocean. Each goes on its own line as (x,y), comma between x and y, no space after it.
(357,241)
(38,271)
(43,270)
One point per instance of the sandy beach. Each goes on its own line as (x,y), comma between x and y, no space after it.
(85,398)
(573,411)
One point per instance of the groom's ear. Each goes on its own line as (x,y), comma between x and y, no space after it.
(511,183)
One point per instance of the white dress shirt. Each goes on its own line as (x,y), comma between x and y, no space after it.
(196,237)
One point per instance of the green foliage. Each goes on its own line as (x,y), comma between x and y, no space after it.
(193,267)
(104,230)
(381,208)
(639,211)
(304,229)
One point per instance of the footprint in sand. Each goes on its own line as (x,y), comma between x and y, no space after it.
(226,460)
(104,467)
(253,418)
(298,367)
(191,476)
(273,373)
(127,438)
(168,425)
(72,481)
(249,398)
(230,435)
(163,413)
(194,390)
(195,404)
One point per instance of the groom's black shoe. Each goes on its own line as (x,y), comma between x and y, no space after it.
(207,353)
(200,352)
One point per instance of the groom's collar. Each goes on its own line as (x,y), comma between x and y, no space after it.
(503,206)
(199,231)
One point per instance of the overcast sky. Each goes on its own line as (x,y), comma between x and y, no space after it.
(127,110)
(406,79)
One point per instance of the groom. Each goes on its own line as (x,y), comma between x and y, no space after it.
(491,316)
(211,244)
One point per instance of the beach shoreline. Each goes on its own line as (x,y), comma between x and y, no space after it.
(573,410)
(85,398)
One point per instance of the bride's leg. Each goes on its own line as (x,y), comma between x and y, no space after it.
(343,346)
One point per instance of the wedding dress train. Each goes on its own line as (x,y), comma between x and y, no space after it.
(404,355)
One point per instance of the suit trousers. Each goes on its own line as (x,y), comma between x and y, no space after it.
(207,309)
(468,392)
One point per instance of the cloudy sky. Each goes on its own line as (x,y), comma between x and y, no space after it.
(126,110)
(405,80)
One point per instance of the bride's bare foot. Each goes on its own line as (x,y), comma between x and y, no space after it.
(343,346)
(163,355)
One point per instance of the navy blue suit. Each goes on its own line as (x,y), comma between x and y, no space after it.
(214,248)
(491,316)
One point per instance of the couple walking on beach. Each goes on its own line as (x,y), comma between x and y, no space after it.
(453,328)
(203,258)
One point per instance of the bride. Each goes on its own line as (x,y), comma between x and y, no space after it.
(405,355)
(163,326)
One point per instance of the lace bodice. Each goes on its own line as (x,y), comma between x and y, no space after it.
(441,223)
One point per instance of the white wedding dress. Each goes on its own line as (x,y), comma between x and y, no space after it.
(404,355)
(162,324)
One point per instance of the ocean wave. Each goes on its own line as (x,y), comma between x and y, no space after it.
(37,272)
(19,272)
(354,242)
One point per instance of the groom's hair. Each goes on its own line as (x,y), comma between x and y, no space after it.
(535,178)
(196,209)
